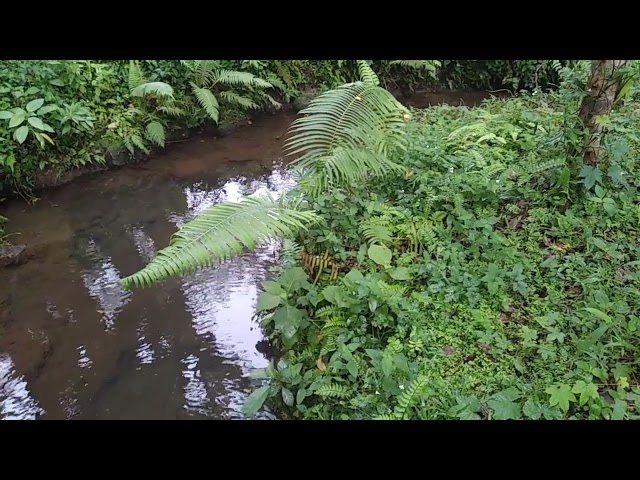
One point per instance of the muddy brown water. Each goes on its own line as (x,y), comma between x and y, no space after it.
(75,345)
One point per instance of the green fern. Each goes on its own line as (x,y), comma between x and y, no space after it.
(220,232)
(232,97)
(344,136)
(160,89)
(384,416)
(408,398)
(135,76)
(367,75)
(239,79)
(334,323)
(333,390)
(207,100)
(154,132)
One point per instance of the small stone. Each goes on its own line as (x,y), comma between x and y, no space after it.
(448,349)
(12,255)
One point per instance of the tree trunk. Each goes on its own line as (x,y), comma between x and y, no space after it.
(602,89)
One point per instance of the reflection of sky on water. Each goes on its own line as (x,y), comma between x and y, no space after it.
(16,402)
(219,305)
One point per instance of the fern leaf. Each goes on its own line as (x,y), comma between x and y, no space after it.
(345,134)
(136,77)
(208,101)
(232,97)
(156,88)
(332,390)
(154,132)
(367,75)
(376,234)
(139,142)
(220,232)
(239,79)
(385,416)
(407,399)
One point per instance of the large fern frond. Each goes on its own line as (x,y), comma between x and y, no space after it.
(367,75)
(220,232)
(344,166)
(232,97)
(233,78)
(208,101)
(345,135)
(157,88)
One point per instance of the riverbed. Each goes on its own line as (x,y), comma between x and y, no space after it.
(75,345)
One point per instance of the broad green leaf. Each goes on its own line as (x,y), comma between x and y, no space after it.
(536,410)
(601,315)
(57,82)
(268,301)
(352,367)
(34,105)
(329,293)
(380,254)
(254,402)
(21,134)
(585,390)
(272,287)
(16,120)
(400,273)
(288,315)
(504,406)
(560,395)
(590,176)
(293,279)
(5,115)
(619,409)
(46,109)
(36,122)
(387,364)
(287,397)
(301,395)
(32,91)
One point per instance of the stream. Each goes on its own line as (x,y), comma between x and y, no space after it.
(75,345)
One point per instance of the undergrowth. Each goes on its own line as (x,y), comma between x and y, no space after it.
(62,114)
(496,278)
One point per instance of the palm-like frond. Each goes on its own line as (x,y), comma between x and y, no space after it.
(239,79)
(160,89)
(367,75)
(221,232)
(232,97)
(346,133)
(208,101)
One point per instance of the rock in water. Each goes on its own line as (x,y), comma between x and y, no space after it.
(12,255)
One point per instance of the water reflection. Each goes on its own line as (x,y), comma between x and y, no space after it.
(181,349)
(102,284)
(16,402)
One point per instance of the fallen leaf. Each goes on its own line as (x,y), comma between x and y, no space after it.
(320,364)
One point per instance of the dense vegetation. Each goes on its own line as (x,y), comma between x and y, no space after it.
(445,263)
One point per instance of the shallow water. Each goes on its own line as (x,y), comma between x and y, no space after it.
(75,345)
